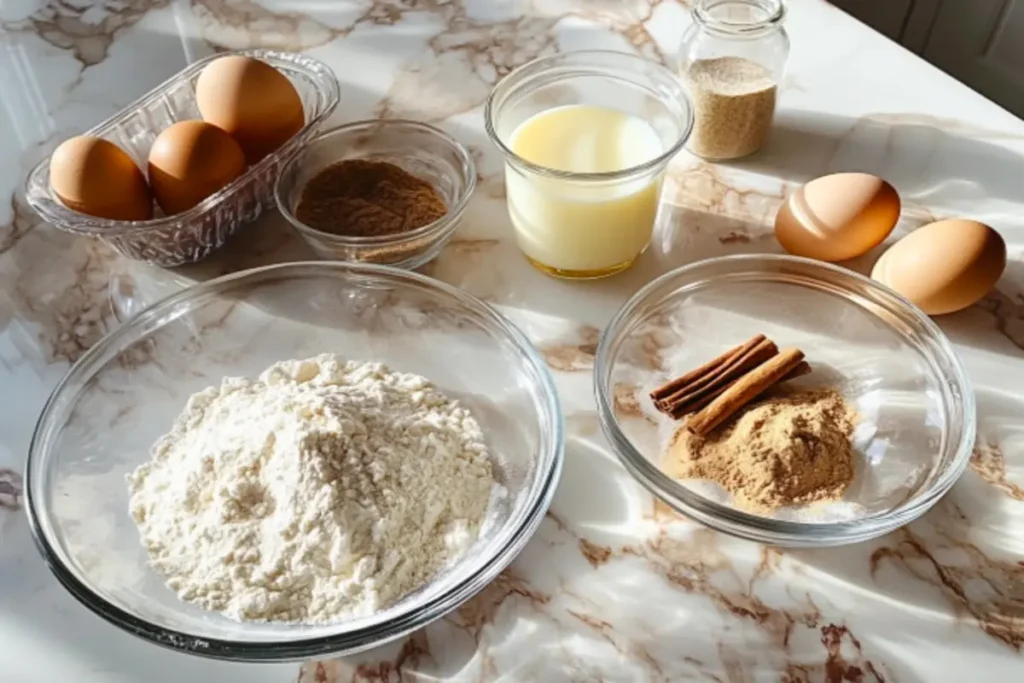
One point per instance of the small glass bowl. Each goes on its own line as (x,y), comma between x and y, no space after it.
(889,360)
(191,235)
(104,416)
(423,150)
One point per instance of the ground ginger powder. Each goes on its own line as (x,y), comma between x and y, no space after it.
(368,198)
(792,447)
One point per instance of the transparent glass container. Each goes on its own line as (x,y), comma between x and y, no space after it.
(424,151)
(191,235)
(732,58)
(587,225)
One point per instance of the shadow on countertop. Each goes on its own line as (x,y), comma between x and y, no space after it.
(931,160)
(958,561)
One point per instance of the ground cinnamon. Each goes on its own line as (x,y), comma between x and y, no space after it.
(791,447)
(368,197)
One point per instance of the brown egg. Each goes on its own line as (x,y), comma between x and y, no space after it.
(944,266)
(95,176)
(252,101)
(838,217)
(190,161)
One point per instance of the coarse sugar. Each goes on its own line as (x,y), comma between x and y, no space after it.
(734,102)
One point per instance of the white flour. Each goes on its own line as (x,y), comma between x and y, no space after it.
(323,490)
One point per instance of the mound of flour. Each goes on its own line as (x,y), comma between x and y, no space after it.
(324,489)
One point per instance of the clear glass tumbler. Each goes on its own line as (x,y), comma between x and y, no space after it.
(732,58)
(587,225)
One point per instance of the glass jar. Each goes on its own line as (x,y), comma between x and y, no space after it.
(732,58)
(580,225)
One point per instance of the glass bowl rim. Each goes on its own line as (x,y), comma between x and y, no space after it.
(342,642)
(512,79)
(326,84)
(373,125)
(762,529)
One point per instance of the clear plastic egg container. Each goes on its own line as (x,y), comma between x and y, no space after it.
(191,235)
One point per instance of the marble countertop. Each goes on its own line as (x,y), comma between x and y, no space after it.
(612,588)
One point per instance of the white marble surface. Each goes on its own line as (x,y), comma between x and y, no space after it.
(612,588)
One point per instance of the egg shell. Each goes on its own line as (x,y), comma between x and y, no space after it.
(838,217)
(189,162)
(944,266)
(252,101)
(96,177)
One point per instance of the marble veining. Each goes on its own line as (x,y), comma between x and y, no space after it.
(615,586)
(10,490)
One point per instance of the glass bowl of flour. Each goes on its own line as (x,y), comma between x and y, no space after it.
(294,461)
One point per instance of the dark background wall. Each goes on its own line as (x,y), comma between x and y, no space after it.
(980,42)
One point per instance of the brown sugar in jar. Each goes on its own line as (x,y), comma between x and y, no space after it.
(368,198)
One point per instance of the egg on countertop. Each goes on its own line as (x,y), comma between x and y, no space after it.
(838,217)
(944,266)
(252,101)
(96,177)
(190,161)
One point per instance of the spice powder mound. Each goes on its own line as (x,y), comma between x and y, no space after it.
(791,448)
(368,198)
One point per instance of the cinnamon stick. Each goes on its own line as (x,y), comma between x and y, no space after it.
(679,411)
(745,390)
(679,383)
(714,382)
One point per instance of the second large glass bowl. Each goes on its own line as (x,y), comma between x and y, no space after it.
(127,390)
(887,358)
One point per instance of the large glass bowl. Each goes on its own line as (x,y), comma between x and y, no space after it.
(126,391)
(916,405)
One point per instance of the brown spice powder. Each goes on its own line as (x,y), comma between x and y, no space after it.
(791,448)
(367,197)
